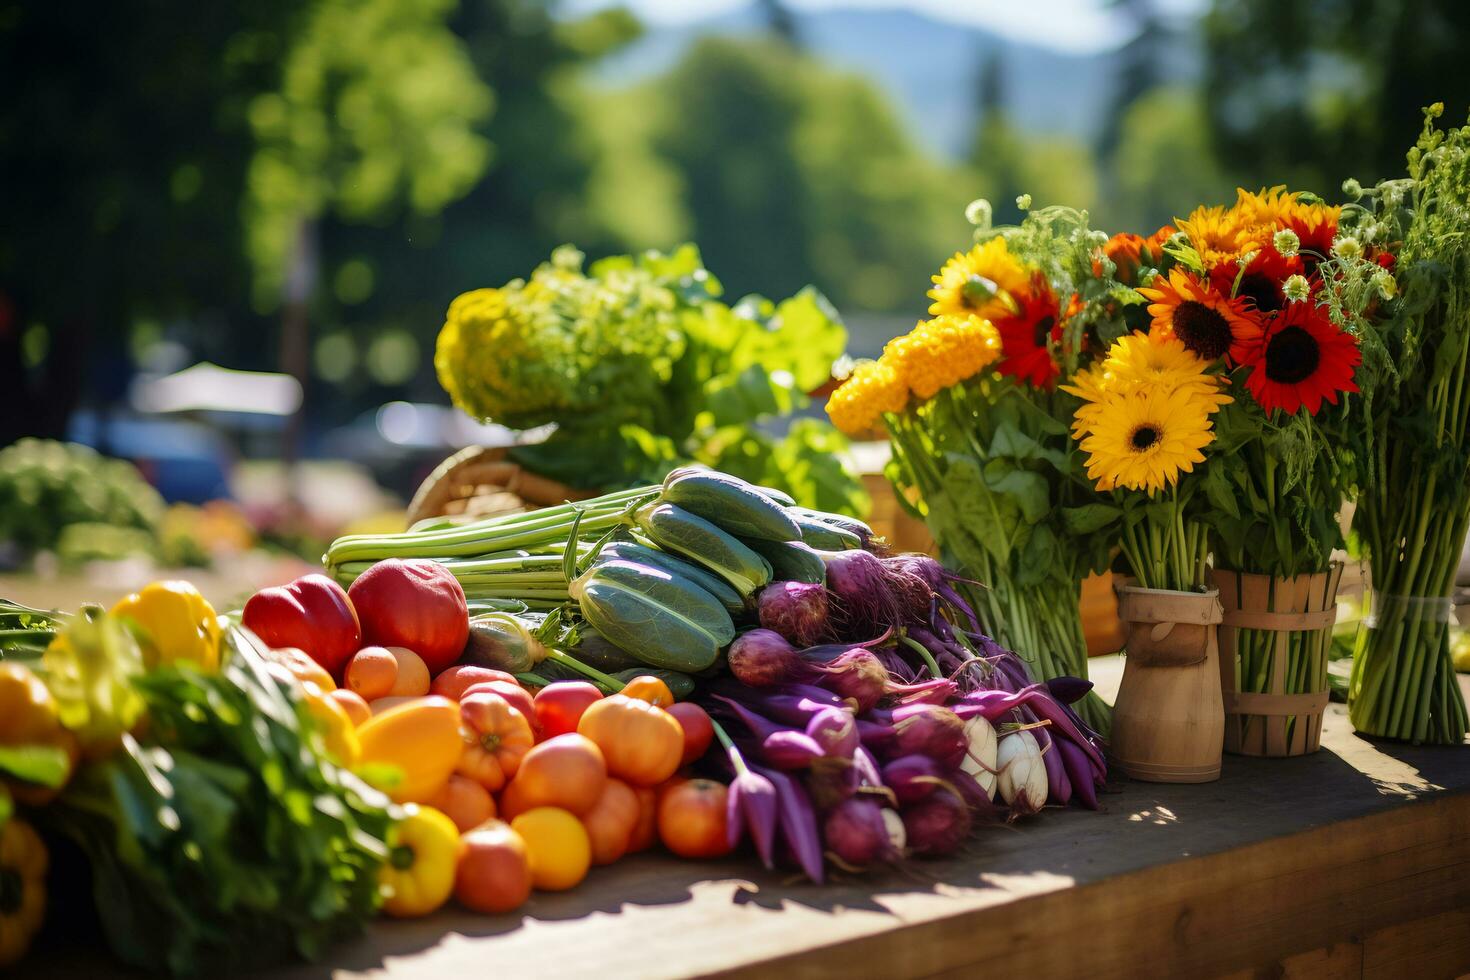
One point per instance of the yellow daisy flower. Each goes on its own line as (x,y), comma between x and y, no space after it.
(980,282)
(1260,213)
(941,352)
(1144,439)
(872,389)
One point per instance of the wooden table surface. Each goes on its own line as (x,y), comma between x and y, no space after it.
(1354,861)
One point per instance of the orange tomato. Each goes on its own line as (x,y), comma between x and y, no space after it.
(371,673)
(357,709)
(567,771)
(611,821)
(698,730)
(641,742)
(557,844)
(421,738)
(496,737)
(512,692)
(692,819)
(559,706)
(453,682)
(465,802)
(413,674)
(647,687)
(645,831)
(494,873)
(379,705)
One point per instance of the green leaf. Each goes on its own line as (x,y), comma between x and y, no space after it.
(749,395)
(46,765)
(990,517)
(1089,518)
(1029,491)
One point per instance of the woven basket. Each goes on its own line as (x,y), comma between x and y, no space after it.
(482,482)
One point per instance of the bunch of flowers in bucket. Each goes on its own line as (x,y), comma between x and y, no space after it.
(971,402)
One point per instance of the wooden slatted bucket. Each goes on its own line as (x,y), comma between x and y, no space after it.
(1168,721)
(1274,643)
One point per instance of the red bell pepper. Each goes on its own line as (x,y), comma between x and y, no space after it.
(312,613)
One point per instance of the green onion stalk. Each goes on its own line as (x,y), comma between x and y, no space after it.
(512,557)
(989,474)
(1414,506)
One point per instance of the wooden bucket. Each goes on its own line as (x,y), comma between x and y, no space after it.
(482,482)
(1169,719)
(1265,717)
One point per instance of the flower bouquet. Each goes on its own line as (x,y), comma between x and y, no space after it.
(1414,503)
(1242,287)
(978,426)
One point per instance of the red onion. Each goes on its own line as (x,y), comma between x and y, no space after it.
(931,730)
(857,834)
(790,750)
(858,581)
(796,610)
(763,658)
(912,777)
(857,674)
(835,730)
(937,825)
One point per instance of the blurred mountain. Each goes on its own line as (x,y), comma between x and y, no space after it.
(929,67)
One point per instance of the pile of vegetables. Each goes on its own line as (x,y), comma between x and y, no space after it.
(853,690)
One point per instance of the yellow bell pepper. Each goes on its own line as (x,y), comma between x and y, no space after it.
(423,856)
(22,888)
(338,732)
(179,622)
(28,717)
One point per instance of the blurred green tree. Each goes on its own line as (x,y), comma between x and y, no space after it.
(1164,164)
(792,172)
(1314,91)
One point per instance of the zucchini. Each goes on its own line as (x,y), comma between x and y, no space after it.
(600,653)
(779,496)
(674,565)
(732,504)
(826,537)
(681,685)
(660,620)
(793,561)
(861,529)
(673,528)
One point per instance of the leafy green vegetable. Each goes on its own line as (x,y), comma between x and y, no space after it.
(224,837)
(47,486)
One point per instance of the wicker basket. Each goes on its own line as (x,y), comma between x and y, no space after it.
(482,482)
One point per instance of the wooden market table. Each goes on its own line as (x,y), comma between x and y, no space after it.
(1352,862)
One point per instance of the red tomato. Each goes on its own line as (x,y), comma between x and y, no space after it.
(312,614)
(611,821)
(414,603)
(512,692)
(645,831)
(452,682)
(699,731)
(494,873)
(559,705)
(691,819)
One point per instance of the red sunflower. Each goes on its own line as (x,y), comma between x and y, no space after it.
(1210,323)
(1316,226)
(1260,284)
(1026,337)
(1303,359)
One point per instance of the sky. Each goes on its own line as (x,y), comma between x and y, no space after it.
(1078,26)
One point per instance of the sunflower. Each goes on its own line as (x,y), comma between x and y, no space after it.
(1210,324)
(871,390)
(981,281)
(1260,282)
(1144,439)
(1216,234)
(941,352)
(1027,335)
(1303,359)
(1260,213)
(1139,362)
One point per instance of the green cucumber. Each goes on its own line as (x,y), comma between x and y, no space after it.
(826,537)
(732,504)
(660,620)
(674,565)
(792,561)
(852,524)
(673,528)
